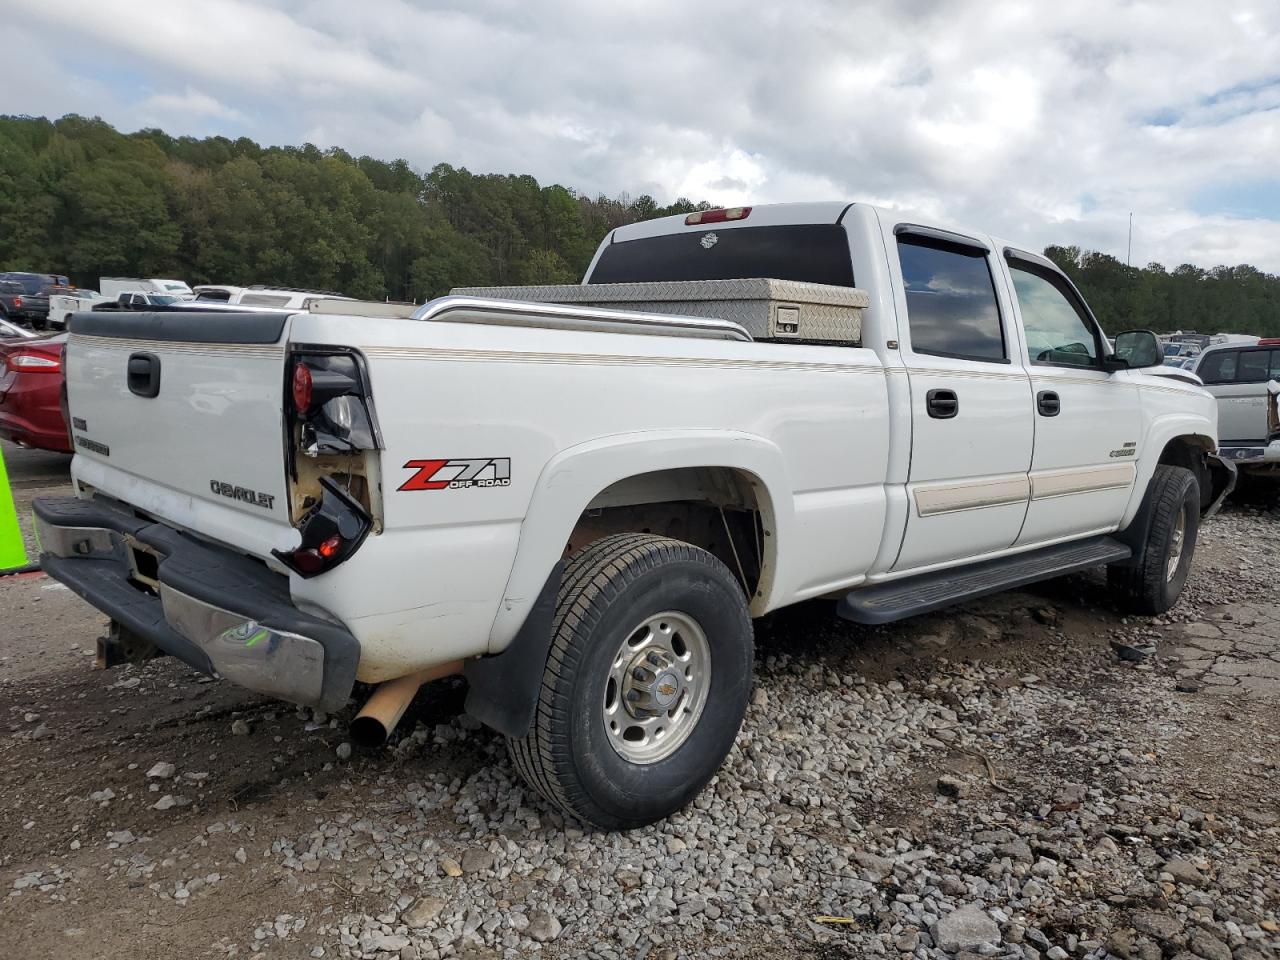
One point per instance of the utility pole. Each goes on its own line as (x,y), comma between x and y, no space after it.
(1128,254)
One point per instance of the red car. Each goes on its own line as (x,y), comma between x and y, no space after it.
(31,387)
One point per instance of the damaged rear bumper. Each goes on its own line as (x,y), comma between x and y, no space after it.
(1223,475)
(221,613)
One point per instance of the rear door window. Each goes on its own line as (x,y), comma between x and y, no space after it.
(951,301)
(1253,367)
(1219,366)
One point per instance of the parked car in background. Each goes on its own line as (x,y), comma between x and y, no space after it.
(15,331)
(67,301)
(1237,375)
(32,388)
(292,298)
(1178,368)
(13,300)
(112,287)
(1177,349)
(216,293)
(34,294)
(138,299)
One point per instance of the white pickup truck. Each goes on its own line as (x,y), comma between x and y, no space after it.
(582,509)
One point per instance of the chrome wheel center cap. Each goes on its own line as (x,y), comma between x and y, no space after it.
(654,684)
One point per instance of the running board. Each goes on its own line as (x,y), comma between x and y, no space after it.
(898,599)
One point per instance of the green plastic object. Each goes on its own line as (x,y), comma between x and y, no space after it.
(13,551)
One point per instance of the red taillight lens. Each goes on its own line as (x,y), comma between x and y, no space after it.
(32,363)
(307,561)
(301,388)
(717,216)
(17,302)
(332,530)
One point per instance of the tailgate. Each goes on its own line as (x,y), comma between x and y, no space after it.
(181,416)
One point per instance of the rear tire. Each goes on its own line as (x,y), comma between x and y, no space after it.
(1153,580)
(646,683)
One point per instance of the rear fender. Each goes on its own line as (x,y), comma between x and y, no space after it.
(574,477)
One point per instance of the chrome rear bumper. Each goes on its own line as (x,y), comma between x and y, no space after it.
(222,613)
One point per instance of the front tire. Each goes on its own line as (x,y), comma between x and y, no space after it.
(646,683)
(1153,580)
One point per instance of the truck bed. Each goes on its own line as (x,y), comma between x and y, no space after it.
(782,310)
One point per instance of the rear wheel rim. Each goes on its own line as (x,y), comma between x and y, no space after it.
(1177,540)
(659,681)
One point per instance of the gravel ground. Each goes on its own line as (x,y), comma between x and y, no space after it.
(997,781)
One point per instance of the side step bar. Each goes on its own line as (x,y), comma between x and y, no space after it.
(899,599)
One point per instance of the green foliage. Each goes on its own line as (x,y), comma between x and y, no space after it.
(78,197)
(1239,299)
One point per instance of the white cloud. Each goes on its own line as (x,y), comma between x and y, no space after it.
(1043,123)
(182,107)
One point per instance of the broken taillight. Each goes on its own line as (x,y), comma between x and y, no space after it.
(301,388)
(332,530)
(331,405)
(331,457)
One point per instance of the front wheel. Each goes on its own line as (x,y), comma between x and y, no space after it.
(1154,579)
(646,683)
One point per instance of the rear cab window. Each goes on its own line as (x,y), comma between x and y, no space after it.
(810,253)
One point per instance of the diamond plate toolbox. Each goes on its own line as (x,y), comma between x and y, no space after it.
(768,309)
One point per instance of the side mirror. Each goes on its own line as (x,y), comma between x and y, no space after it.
(1136,349)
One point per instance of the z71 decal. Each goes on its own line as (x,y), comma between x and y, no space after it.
(457,474)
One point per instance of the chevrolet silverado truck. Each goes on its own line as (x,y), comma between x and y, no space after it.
(580,505)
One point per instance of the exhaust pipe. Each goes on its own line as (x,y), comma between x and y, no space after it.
(379,716)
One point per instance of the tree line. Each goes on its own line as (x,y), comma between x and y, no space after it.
(79,197)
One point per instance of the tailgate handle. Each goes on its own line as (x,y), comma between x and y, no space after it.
(144,374)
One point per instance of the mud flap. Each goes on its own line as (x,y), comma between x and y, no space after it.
(502,690)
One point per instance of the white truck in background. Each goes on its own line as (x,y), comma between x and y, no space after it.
(136,291)
(70,300)
(581,506)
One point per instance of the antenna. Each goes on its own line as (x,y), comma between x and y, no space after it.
(1128,254)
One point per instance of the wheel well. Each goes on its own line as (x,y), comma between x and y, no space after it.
(1189,451)
(724,510)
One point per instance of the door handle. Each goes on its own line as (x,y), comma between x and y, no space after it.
(144,374)
(1048,403)
(942,404)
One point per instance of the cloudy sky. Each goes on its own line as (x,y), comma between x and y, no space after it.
(1045,122)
